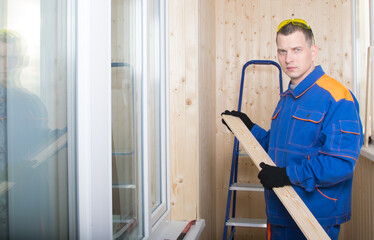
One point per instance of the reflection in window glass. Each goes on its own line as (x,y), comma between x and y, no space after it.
(154,101)
(128,94)
(127,190)
(33,120)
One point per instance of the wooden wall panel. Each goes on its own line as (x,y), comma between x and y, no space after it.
(246,30)
(360,226)
(207,128)
(183,82)
(192,110)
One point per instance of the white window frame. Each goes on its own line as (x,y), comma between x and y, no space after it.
(152,219)
(93,115)
(162,210)
(93,122)
(71,101)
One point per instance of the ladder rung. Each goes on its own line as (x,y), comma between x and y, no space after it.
(247,187)
(247,222)
(124,186)
(242,153)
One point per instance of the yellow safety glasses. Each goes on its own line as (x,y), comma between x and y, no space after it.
(8,34)
(298,22)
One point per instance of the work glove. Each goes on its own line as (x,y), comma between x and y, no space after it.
(271,176)
(240,115)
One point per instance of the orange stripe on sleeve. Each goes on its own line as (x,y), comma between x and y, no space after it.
(338,155)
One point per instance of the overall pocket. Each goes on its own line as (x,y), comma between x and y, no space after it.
(305,127)
(346,137)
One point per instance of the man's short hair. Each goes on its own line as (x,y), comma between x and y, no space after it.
(18,43)
(291,28)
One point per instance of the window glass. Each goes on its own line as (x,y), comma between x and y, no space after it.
(154,101)
(33,120)
(137,113)
(126,187)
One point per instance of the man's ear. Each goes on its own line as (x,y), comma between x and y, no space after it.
(314,49)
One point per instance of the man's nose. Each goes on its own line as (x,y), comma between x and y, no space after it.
(289,58)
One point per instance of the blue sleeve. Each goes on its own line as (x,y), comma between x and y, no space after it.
(262,136)
(341,139)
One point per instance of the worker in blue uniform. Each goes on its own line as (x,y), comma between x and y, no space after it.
(315,138)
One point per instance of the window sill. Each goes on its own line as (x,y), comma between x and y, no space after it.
(172,229)
(368,152)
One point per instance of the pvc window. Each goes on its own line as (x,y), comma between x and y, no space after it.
(139,117)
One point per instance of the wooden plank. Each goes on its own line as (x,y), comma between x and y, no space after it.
(288,196)
(5,186)
(368,125)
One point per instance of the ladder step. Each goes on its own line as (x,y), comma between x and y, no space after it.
(247,222)
(242,153)
(247,187)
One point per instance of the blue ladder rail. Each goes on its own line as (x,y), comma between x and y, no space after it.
(235,154)
(124,64)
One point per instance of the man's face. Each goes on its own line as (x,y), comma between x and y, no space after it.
(9,60)
(296,56)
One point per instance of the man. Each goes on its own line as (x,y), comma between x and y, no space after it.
(315,138)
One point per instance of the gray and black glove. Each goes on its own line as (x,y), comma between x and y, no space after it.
(240,115)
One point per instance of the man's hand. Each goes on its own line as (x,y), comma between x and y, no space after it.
(271,176)
(240,115)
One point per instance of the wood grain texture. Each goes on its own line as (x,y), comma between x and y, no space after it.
(192,110)
(360,227)
(184,108)
(288,196)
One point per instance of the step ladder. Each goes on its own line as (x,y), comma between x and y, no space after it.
(234,185)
